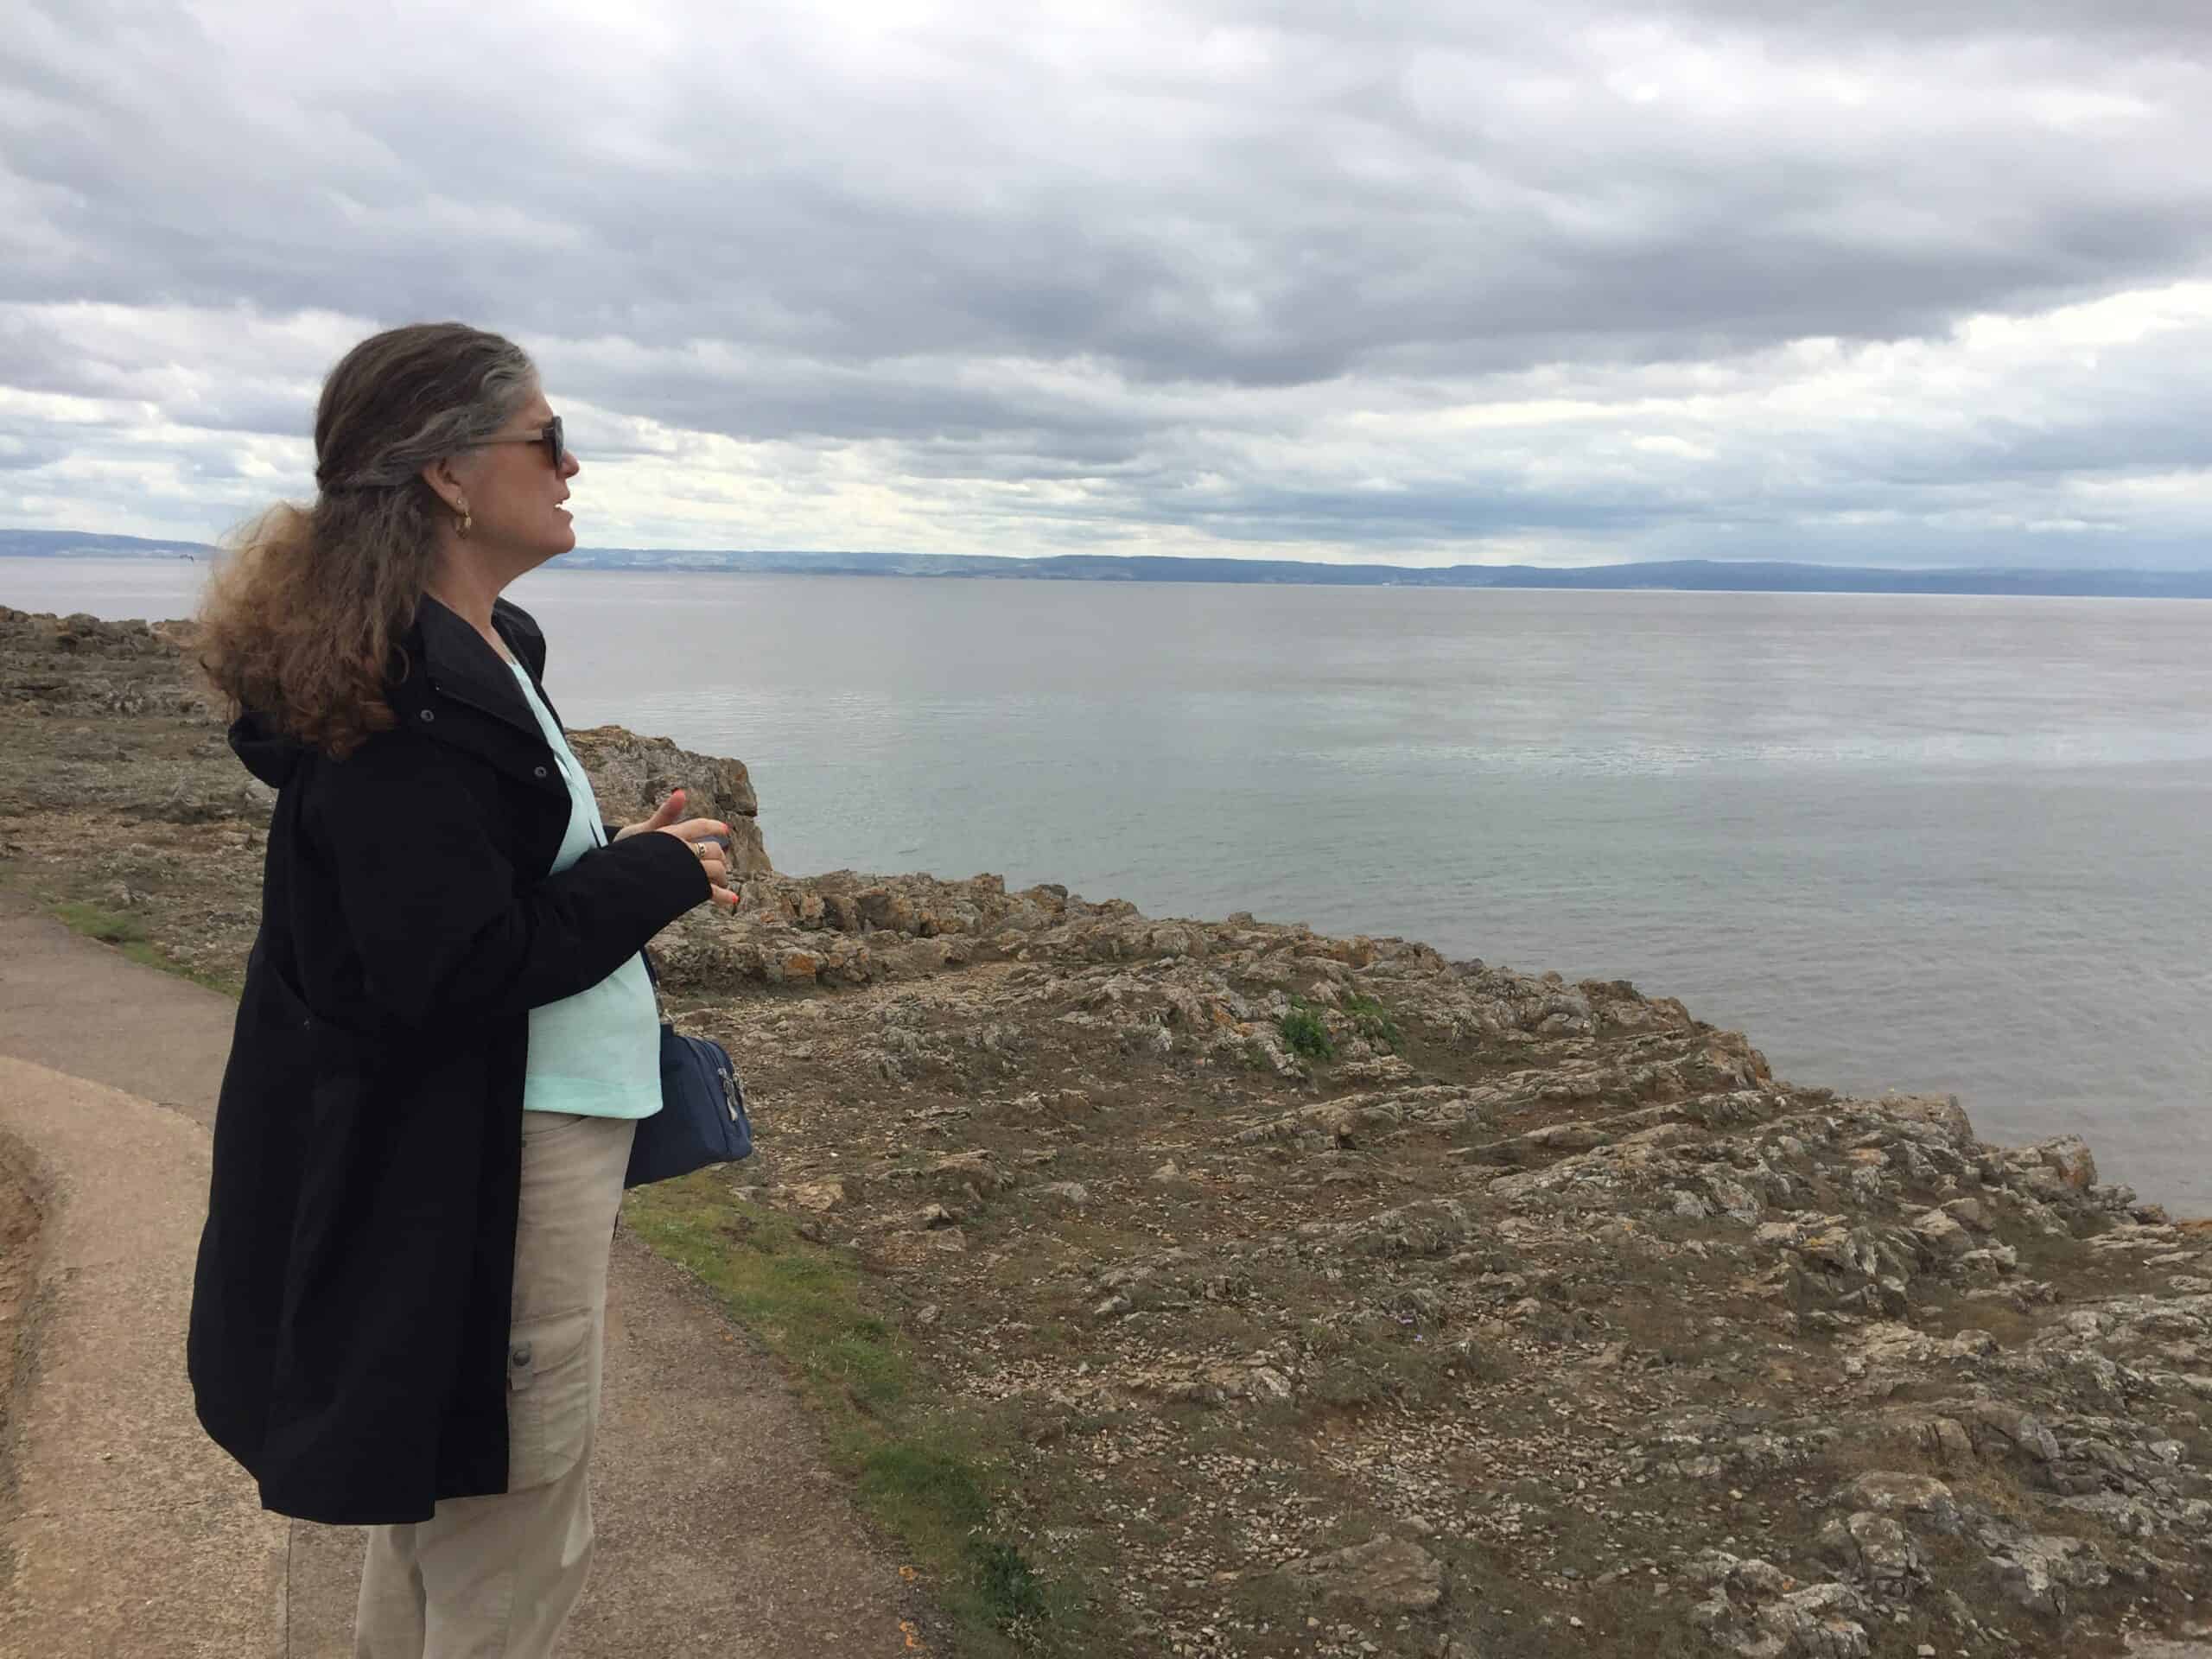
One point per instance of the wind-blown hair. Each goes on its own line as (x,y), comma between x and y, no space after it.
(303,616)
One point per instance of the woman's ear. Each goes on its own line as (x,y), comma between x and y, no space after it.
(444,483)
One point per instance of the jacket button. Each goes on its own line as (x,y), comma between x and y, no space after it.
(541,772)
(521,1356)
(429,714)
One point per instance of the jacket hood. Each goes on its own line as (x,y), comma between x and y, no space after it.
(266,752)
(443,655)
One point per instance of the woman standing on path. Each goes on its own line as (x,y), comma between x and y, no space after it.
(447,1035)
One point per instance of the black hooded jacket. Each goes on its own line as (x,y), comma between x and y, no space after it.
(350,1306)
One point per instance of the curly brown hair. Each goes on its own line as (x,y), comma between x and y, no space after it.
(303,618)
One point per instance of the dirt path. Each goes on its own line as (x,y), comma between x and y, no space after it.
(123,1531)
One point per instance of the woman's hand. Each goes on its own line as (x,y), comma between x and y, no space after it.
(670,810)
(699,834)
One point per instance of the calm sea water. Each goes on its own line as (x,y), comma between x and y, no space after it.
(1927,843)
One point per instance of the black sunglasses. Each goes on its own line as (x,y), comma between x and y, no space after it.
(555,443)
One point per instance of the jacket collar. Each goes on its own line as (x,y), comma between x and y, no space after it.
(445,656)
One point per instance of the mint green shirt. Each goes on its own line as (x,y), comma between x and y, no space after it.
(597,1053)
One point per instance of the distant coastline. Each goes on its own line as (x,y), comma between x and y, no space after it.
(1684,575)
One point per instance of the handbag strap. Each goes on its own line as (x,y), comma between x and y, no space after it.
(660,1002)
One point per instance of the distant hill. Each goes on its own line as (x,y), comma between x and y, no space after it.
(77,543)
(1694,576)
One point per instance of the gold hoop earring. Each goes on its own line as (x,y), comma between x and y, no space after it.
(465,519)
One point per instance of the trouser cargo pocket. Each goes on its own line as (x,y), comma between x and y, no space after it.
(548,1397)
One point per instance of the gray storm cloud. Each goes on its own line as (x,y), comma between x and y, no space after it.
(1534,282)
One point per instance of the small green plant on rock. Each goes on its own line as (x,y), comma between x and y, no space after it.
(1009,1585)
(1372,1022)
(1303,1034)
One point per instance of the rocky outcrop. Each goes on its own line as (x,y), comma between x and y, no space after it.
(632,775)
(85,666)
(1562,1290)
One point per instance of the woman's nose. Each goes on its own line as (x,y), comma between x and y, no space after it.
(569,465)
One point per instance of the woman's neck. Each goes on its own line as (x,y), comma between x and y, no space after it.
(469,594)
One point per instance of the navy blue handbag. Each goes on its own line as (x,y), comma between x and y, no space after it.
(702,1119)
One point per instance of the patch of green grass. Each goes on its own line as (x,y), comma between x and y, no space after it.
(1303,1034)
(911,1484)
(924,1471)
(1373,1022)
(108,926)
(1010,1586)
(802,1299)
(128,935)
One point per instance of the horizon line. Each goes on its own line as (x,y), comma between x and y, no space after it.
(1900,571)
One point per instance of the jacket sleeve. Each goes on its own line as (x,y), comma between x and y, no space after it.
(445,926)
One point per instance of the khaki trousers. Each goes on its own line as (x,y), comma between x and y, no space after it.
(496,1577)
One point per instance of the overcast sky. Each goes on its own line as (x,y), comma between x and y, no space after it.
(1897,281)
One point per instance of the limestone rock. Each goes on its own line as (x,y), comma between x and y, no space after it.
(1885,1492)
(817,1195)
(1942,1110)
(1383,1575)
(632,775)
(1943,1233)
(2038,1570)
(1877,1552)
(1816,1622)
(2069,1158)
(196,799)
(1757,1611)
